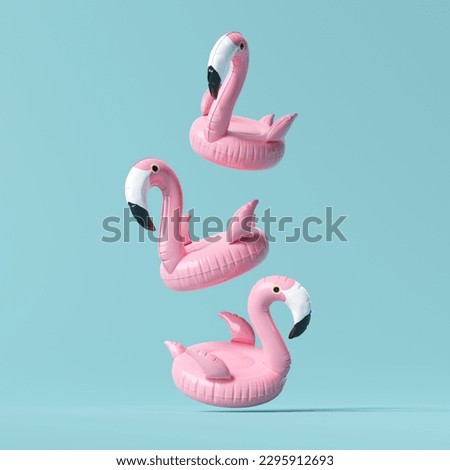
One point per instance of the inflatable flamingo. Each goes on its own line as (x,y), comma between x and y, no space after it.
(228,140)
(187,265)
(237,373)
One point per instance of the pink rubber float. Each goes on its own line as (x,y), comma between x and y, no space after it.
(237,373)
(235,141)
(188,265)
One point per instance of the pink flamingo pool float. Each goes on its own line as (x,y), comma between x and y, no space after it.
(185,264)
(237,373)
(235,141)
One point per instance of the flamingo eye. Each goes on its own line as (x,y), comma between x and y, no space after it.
(241,46)
(155,168)
(276,289)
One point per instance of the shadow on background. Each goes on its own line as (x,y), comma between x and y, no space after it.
(372,409)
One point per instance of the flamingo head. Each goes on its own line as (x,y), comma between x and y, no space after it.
(231,47)
(143,176)
(294,295)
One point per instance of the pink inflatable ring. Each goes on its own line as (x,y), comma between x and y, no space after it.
(235,141)
(188,265)
(237,373)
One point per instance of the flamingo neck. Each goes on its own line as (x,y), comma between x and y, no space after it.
(171,247)
(275,353)
(221,110)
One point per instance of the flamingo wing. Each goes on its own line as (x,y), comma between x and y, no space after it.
(242,222)
(241,330)
(213,366)
(280,128)
(268,120)
(184,229)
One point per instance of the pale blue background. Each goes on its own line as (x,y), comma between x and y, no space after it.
(88,88)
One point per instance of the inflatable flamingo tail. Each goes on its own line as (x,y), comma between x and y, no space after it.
(213,367)
(278,130)
(241,330)
(242,222)
(174,348)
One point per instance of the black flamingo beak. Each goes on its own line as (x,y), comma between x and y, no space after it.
(214,81)
(300,327)
(142,216)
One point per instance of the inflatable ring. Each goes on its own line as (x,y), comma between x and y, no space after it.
(185,264)
(235,141)
(238,374)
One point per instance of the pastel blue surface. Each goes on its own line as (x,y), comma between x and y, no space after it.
(89,88)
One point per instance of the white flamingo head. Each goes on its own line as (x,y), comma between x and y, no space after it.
(289,291)
(143,176)
(230,47)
